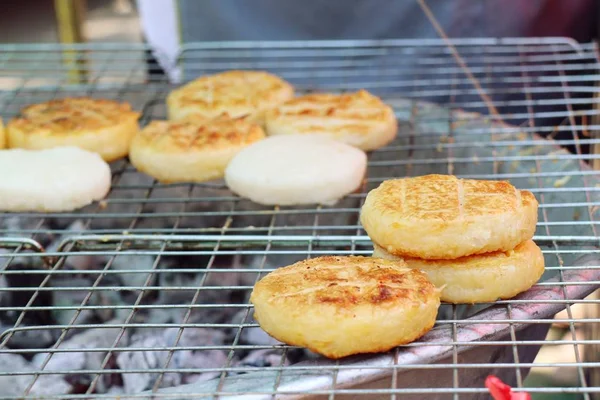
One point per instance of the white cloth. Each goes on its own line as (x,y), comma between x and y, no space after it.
(160,24)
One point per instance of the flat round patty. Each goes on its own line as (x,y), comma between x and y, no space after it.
(296,169)
(102,126)
(339,306)
(234,93)
(192,150)
(480,278)
(51,180)
(359,119)
(443,217)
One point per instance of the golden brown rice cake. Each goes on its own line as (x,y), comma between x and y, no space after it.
(481,278)
(359,119)
(235,93)
(339,306)
(443,217)
(193,150)
(101,126)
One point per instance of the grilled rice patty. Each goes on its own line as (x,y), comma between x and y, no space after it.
(359,119)
(481,278)
(443,217)
(102,126)
(235,93)
(339,306)
(193,150)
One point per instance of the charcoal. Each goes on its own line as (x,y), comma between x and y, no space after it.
(83,360)
(203,377)
(258,336)
(82,262)
(253,335)
(264,358)
(72,298)
(17,385)
(110,299)
(193,281)
(87,339)
(148,359)
(10,261)
(15,225)
(133,262)
(160,214)
(29,339)
(181,359)
(116,390)
(4,295)
(27,283)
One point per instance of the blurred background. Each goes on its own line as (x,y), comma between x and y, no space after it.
(103,21)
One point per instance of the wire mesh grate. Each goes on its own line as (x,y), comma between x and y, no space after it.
(147,291)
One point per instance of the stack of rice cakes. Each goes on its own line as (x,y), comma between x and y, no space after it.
(471,237)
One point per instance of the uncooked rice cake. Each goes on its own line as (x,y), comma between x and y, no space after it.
(443,217)
(52,180)
(235,93)
(480,278)
(339,306)
(296,169)
(359,119)
(193,150)
(102,126)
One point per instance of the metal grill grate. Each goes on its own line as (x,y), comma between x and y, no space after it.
(147,291)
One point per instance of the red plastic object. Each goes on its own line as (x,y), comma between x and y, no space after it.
(501,391)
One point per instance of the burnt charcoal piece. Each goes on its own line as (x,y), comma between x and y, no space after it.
(29,339)
(45,385)
(27,284)
(265,358)
(194,358)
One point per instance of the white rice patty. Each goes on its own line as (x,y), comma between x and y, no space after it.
(296,169)
(57,179)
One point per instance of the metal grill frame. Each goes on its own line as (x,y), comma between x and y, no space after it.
(457,352)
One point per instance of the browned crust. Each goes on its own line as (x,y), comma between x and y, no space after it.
(193,135)
(235,92)
(72,115)
(357,110)
(347,283)
(447,198)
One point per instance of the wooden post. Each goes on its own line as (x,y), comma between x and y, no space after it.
(70,15)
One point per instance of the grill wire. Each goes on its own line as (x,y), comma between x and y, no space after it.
(147,292)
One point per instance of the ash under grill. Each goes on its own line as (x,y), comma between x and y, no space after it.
(147,292)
